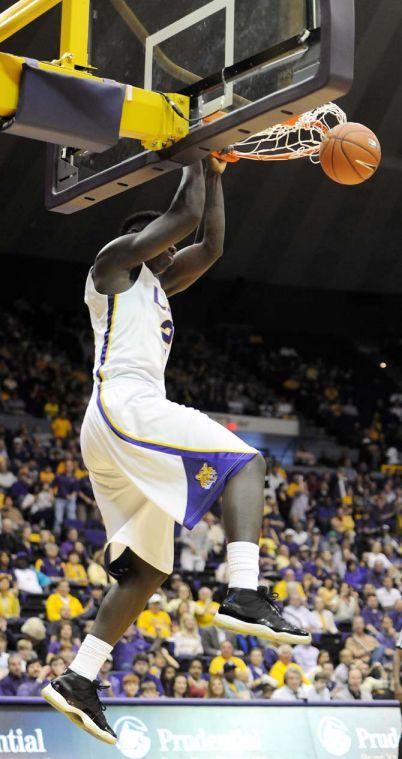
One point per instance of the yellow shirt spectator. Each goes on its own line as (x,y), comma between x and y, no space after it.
(217,663)
(205,612)
(154,622)
(278,671)
(61,427)
(271,545)
(61,600)
(51,409)
(75,573)
(9,605)
(282,589)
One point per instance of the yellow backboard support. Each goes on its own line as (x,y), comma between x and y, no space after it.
(146,115)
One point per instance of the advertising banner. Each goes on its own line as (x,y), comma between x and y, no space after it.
(207,732)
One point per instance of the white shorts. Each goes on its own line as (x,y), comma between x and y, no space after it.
(153,463)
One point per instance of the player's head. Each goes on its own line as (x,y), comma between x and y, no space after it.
(136,223)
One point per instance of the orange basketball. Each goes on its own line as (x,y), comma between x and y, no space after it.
(350,154)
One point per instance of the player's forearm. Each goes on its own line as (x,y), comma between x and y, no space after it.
(188,203)
(214,215)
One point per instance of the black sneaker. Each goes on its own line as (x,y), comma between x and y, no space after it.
(254,612)
(77,697)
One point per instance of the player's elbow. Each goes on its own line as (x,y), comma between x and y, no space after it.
(213,249)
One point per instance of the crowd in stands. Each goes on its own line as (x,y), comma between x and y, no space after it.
(329,547)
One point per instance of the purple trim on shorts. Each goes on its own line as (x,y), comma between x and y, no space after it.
(199,499)
(110,305)
(160,446)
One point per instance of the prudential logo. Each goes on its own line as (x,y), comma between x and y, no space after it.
(132,736)
(334,736)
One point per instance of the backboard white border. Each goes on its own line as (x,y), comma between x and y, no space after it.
(226,100)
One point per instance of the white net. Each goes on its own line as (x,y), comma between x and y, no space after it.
(300,137)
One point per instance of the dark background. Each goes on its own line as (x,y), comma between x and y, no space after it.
(302,253)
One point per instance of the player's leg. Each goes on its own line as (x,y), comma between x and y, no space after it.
(247,608)
(74,693)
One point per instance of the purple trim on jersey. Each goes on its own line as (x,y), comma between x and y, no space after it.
(110,305)
(199,500)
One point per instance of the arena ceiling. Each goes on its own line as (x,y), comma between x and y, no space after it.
(286,224)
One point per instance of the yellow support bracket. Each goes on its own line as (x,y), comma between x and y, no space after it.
(74,33)
(146,115)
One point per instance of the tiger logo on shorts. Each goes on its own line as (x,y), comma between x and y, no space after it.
(207,476)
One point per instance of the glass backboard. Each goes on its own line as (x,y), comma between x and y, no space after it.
(258,61)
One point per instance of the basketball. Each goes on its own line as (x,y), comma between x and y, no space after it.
(350,154)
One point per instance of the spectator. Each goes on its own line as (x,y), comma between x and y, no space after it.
(10,683)
(318,691)
(65,489)
(197,683)
(37,677)
(131,686)
(353,690)
(50,565)
(4,654)
(187,641)
(75,571)
(345,605)
(307,657)
(106,678)
(183,594)
(195,546)
(212,638)
(168,675)
(8,539)
(234,688)
(29,580)
(61,425)
(376,555)
(289,587)
(293,689)
(153,622)
(361,645)
(205,607)
(96,571)
(226,655)
(141,668)
(388,595)
(9,604)
(180,686)
(216,687)
(279,669)
(371,614)
(127,648)
(296,612)
(322,620)
(259,676)
(149,690)
(62,599)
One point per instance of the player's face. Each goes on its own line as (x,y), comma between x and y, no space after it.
(162,262)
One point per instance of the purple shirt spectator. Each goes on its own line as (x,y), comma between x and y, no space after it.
(66,484)
(126,649)
(372,617)
(31,688)
(10,683)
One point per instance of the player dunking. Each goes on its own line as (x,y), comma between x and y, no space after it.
(151,461)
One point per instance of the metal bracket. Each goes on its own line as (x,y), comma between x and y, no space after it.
(66,174)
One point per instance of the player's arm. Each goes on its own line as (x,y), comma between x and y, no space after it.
(125,253)
(192,262)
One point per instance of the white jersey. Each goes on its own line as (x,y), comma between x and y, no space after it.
(141,322)
(151,462)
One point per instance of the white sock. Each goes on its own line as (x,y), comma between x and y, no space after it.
(243,560)
(90,657)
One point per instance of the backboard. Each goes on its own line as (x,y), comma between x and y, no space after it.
(257,61)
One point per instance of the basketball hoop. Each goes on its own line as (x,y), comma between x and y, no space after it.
(298,137)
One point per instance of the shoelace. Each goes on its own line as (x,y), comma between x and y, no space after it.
(94,701)
(272,598)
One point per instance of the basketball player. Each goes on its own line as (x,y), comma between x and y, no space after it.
(153,462)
